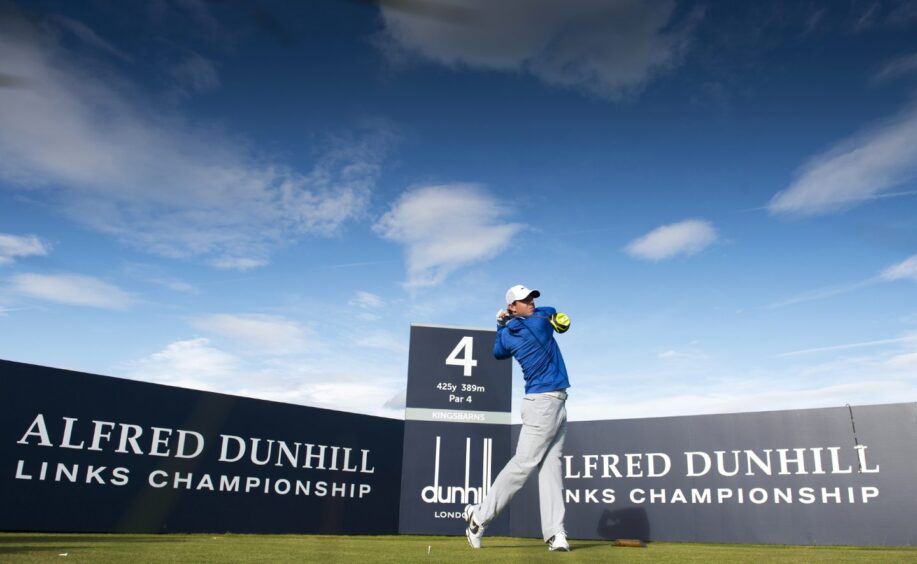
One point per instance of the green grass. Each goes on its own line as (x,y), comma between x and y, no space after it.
(37,547)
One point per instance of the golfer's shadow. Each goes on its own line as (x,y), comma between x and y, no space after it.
(630,523)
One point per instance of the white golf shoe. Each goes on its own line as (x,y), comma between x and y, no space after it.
(473,532)
(559,542)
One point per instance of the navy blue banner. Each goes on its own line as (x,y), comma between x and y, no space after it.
(87,453)
(813,476)
(80,452)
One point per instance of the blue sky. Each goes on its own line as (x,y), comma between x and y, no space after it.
(260,198)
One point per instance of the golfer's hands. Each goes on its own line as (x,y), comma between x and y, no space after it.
(502,317)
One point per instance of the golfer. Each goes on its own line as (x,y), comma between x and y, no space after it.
(526,332)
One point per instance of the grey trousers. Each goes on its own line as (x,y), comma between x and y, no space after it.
(541,445)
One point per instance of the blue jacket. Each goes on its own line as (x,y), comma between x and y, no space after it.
(531,341)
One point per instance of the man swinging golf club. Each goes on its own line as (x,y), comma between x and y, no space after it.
(527,333)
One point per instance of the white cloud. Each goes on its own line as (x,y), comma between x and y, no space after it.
(684,238)
(194,74)
(823,293)
(154,275)
(859,168)
(737,397)
(367,304)
(238,263)
(897,67)
(906,269)
(268,334)
(688,355)
(107,156)
(70,289)
(384,341)
(610,49)
(16,246)
(356,396)
(865,344)
(329,381)
(873,372)
(907,360)
(444,228)
(192,363)
(89,37)
(367,300)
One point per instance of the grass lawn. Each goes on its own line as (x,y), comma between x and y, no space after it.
(39,547)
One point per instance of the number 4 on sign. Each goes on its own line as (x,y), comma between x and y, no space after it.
(466,345)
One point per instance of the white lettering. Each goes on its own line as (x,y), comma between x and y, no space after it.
(836,464)
(39,429)
(568,463)
(158,440)
(590,463)
(267,456)
(68,432)
(864,468)
(98,433)
(690,461)
(721,462)
(180,447)
(666,464)
(224,448)
(20,474)
(129,435)
(158,474)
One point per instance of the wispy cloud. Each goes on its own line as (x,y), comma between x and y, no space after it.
(85,34)
(904,270)
(688,237)
(267,334)
(739,397)
(856,373)
(874,15)
(105,155)
(368,305)
(238,263)
(384,341)
(686,355)
(857,169)
(610,49)
(194,74)
(70,289)
(907,360)
(823,293)
(446,227)
(155,275)
(18,246)
(897,67)
(865,344)
(367,300)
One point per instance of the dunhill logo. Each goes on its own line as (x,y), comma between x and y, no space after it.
(436,493)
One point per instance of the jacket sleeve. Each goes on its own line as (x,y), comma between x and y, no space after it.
(500,351)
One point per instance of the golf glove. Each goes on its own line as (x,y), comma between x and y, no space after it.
(560,322)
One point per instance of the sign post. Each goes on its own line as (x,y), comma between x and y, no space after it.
(457,427)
